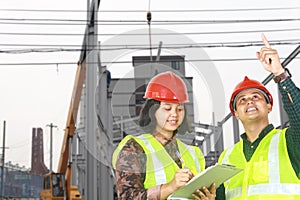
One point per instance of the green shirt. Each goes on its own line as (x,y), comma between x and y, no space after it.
(291,101)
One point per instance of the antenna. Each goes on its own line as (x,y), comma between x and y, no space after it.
(149,17)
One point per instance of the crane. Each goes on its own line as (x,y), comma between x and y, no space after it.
(57,186)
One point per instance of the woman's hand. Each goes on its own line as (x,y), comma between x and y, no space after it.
(181,177)
(205,194)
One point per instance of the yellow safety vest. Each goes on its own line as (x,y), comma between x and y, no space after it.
(269,173)
(160,167)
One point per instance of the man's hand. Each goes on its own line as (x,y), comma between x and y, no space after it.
(205,194)
(269,58)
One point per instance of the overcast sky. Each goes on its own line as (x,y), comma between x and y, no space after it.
(49,34)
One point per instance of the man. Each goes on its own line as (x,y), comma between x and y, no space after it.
(270,157)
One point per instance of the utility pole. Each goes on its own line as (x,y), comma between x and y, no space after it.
(51,139)
(3,161)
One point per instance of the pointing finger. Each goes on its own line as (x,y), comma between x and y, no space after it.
(265,41)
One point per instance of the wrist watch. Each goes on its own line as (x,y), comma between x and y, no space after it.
(282,76)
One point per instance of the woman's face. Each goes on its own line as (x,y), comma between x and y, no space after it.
(169,116)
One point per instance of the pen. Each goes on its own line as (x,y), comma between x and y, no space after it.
(181,160)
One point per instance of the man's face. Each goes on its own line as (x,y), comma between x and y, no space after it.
(252,105)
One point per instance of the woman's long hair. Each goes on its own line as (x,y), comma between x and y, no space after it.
(147,120)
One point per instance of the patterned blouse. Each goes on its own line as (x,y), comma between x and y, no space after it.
(131,169)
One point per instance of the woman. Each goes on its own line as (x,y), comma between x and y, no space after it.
(156,164)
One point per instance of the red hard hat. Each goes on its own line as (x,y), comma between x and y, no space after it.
(249,84)
(168,87)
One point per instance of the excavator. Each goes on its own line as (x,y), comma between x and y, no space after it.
(57,186)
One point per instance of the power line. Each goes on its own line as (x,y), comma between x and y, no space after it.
(144,47)
(141,34)
(43,24)
(129,62)
(217,44)
(20,144)
(143,22)
(143,11)
(156,22)
(207,10)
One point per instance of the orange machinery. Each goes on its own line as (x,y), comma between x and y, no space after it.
(57,186)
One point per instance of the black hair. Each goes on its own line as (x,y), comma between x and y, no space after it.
(267,97)
(147,120)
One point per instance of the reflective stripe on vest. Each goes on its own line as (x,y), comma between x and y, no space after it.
(160,167)
(274,186)
(192,151)
(159,172)
(226,159)
(196,163)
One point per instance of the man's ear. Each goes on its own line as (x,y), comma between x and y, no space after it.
(269,107)
(235,114)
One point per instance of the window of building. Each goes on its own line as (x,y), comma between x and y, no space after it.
(175,65)
(47,182)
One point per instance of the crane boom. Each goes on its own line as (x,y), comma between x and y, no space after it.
(72,117)
(57,186)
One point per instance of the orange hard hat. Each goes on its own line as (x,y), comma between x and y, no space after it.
(167,87)
(245,85)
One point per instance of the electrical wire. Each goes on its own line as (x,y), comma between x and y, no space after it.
(128,62)
(142,22)
(141,34)
(142,11)
(149,18)
(20,144)
(217,44)
(144,47)
(156,22)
